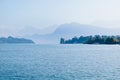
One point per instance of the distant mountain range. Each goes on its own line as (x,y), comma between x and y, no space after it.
(71,30)
(11,40)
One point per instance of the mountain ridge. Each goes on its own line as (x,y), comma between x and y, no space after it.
(69,30)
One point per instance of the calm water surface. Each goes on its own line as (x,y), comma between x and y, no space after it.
(59,62)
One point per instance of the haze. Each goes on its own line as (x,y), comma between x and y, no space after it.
(16,15)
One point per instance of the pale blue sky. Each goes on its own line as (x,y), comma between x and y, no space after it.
(43,13)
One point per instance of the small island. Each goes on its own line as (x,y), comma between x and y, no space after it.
(97,39)
(13,40)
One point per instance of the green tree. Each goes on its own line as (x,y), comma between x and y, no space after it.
(62,41)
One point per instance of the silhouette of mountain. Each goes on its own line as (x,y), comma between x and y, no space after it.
(67,31)
(78,29)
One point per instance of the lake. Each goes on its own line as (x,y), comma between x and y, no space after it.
(59,62)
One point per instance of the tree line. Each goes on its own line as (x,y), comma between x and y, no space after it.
(11,39)
(97,39)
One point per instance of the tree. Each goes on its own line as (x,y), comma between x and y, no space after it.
(109,40)
(90,40)
(62,41)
